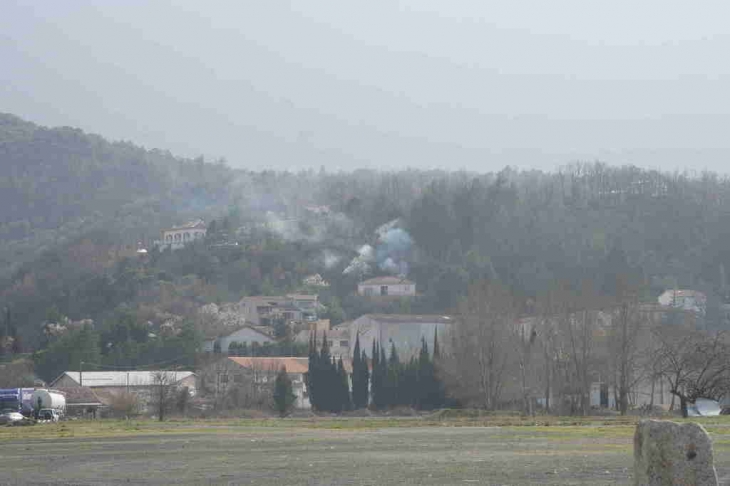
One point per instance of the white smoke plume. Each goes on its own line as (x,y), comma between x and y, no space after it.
(361,264)
(390,255)
(330,259)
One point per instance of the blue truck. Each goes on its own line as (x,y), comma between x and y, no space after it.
(16,400)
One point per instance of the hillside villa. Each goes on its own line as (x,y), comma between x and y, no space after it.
(388,286)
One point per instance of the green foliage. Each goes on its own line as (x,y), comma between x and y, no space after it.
(360,377)
(68,353)
(284,398)
(413,384)
(327,380)
(73,206)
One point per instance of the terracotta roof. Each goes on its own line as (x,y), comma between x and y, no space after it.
(293,365)
(79,395)
(388,280)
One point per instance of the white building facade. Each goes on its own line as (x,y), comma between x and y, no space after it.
(387,286)
(179,236)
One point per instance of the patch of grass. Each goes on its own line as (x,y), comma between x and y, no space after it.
(557,428)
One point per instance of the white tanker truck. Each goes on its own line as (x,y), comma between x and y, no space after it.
(48,404)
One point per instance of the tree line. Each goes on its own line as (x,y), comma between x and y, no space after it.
(508,353)
(379,383)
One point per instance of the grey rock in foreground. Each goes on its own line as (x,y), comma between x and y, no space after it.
(672,454)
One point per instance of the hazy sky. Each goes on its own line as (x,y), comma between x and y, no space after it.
(473,84)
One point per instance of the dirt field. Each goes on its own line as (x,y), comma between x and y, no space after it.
(331,453)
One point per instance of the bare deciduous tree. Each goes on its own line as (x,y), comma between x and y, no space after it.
(481,345)
(696,364)
(164,392)
(625,341)
(577,322)
(125,404)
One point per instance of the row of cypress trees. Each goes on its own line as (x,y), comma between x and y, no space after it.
(390,384)
(327,380)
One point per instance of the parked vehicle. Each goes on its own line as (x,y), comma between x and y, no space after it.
(48,399)
(49,415)
(10,416)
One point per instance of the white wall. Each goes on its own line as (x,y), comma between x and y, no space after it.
(245,335)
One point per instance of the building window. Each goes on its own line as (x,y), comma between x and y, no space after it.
(344,344)
(224,378)
(168,237)
(368,291)
(383,290)
(186,236)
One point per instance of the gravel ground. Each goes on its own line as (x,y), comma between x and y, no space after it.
(298,455)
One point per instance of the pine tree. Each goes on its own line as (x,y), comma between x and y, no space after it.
(284,397)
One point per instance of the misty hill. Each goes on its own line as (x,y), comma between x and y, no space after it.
(70,198)
(58,182)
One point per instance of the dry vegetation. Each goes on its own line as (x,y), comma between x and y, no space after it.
(435,449)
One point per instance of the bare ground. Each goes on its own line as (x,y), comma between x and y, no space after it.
(293,455)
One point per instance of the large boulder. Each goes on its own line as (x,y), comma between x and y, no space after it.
(671,454)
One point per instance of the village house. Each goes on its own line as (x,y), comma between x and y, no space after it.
(688,300)
(242,335)
(179,236)
(81,401)
(338,338)
(645,390)
(388,286)
(405,331)
(267,310)
(255,376)
(108,385)
(315,280)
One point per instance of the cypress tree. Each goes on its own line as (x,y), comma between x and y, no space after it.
(438,399)
(359,377)
(376,385)
(344,386)
(328,396)
(436,349)
(313,372)
(393,378)
(364,380)
(284,397)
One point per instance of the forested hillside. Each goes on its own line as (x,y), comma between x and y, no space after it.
(57,183)
(73,203)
